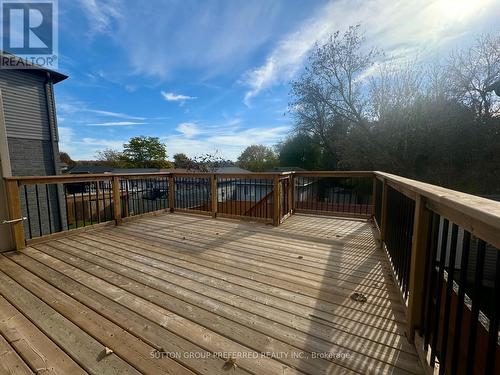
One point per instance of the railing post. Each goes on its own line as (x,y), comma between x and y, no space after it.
(290,194)
(383,215)
(417,265)
(117,204)
(171,193)
(215,194)
(15,213)
(276,200)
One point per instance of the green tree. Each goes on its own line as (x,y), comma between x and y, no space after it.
(258,158)
(146,152)
(182,161)
(112,158)
(301,151)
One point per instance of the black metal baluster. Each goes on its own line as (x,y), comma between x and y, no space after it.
(476,304)
(66,206)
(83,207)
(97,204)
(90,203)
(464,264)
(26,200)
(494,320)
(349,201)
(439,286)
(110,196)
(103,190)
(427,285)
(449,291)
(47,194)
(75,223)
(38,211)
(344,190)
(432,280)
(142,197)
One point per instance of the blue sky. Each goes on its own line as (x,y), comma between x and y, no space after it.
(213,75)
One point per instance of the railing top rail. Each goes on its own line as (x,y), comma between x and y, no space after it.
(458,206)
(26,180)
(69,178)
(334,173)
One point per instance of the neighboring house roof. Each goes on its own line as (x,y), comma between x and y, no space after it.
(231,170)
(90,169)
(173,170)
(32,68)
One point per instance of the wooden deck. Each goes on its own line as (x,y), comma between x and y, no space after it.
(183,294)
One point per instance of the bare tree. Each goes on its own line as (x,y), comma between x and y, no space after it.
(472,71)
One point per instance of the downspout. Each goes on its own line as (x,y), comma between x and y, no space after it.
(51,110)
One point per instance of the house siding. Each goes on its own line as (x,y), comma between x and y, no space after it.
(30,128)
(25,105)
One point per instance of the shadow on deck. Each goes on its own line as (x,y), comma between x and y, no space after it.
(183,294)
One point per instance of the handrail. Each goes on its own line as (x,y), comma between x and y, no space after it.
(97,176)
(481,216)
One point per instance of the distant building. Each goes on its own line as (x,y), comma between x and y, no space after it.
(29,140)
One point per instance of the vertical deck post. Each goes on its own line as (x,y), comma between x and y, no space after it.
(290,194)
(215,194)
(15,213)
(171,193)
(117,204)
(383,219)
(276,200)
(417,265)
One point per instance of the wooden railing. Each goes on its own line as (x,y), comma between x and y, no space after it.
(444,249)
(442,244)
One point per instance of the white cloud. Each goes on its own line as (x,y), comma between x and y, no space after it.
(71,108)
(227,138)
(403,28)
(114,114)
(171,97)
(169,35)
(101,14)
(188,129)
(84,148)
(118,123)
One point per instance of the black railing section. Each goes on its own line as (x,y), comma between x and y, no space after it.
(143,195)
(285,204)
(88,203)
(334,194)
(379,186)
(52,208)
(192,193)
(460,317)
(247,197)
(398,235)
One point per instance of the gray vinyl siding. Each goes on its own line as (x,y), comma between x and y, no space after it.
(25,105)
(31,148)
(35,158)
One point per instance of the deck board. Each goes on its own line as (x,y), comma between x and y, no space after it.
(185,283)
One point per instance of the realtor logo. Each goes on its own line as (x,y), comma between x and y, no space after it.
(29,31)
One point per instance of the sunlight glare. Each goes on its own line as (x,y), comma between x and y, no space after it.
(460,10)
